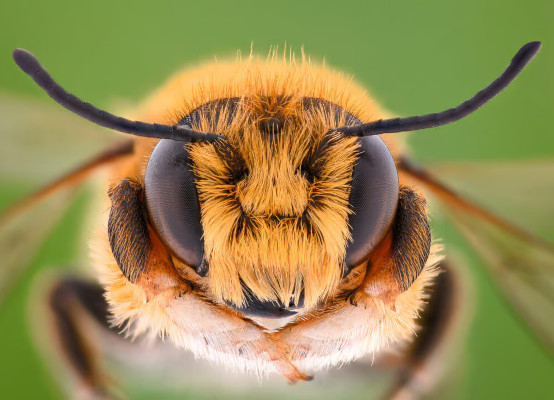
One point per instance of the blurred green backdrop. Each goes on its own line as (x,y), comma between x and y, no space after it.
(416,57)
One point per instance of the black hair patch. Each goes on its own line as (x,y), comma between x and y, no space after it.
(128,229)
(411,241)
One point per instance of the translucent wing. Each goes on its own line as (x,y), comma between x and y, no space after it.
(39,141)
(521,262)
(22,233)
(522,192)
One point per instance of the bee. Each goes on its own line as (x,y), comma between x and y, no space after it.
(265,216)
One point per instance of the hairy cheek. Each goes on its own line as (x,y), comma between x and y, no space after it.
(160,274)
(400,258)
(380,281)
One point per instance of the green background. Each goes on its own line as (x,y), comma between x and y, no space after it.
(416,57)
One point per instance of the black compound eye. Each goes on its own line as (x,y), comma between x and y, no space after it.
(373,198)
(172,201)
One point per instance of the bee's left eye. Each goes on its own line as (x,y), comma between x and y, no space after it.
(373,198)
(172,201)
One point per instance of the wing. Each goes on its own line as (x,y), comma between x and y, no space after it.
(522,192)
(39,141)
(22,233)
(521,262)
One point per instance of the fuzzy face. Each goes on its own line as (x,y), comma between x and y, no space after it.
(274,209)
(274,198)
(274,195)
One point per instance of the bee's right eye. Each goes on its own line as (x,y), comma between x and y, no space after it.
(172,201)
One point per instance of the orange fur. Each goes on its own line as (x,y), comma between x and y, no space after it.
(283,257)
(276,259)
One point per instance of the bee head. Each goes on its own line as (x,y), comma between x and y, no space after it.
(282,208)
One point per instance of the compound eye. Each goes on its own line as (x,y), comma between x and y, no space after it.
(373,199)
(172,201)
